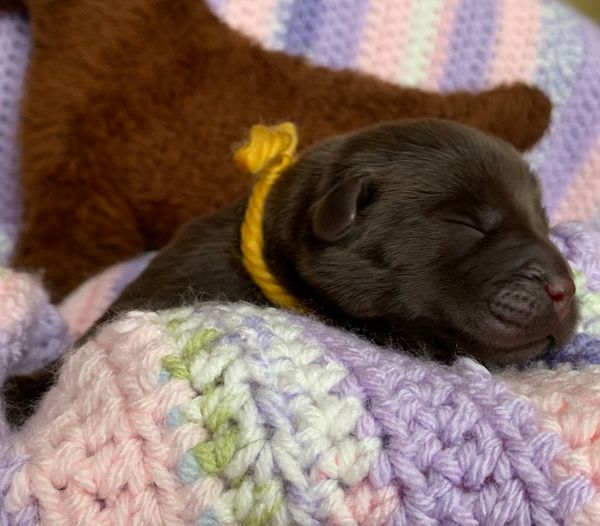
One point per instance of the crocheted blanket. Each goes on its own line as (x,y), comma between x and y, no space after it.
(222,414)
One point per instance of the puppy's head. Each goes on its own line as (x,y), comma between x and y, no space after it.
(434,228)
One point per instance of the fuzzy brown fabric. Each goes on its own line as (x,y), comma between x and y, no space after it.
(132,109)
(12,5)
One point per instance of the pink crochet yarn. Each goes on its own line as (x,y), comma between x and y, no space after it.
(31,331)
(230,414)
(100,437)
(31,334)
(86,304)
(568,403)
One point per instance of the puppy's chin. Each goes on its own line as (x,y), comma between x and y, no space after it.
(487,353)
(480,333)
(498,344)
(490,356)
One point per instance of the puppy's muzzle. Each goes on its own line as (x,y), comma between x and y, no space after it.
(534,301)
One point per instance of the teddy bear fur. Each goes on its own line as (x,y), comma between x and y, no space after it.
(132,109)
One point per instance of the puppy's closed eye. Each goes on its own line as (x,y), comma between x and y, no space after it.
(467,224)
(482,223)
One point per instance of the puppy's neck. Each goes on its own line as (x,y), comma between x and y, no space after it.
(287,239)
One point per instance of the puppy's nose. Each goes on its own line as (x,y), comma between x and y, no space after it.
(561,292)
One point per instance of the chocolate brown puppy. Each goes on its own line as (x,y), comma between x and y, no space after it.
(421,234)
(424,232)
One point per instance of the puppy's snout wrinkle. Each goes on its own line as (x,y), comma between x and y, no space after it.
(517,303)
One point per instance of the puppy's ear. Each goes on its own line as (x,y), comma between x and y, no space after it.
(335,212)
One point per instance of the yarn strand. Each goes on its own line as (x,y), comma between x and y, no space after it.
(268,153)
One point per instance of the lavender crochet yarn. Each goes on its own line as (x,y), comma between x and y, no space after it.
(580,244)
(433,44)
(14,50)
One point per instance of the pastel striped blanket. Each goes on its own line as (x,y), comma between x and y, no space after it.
(223,414)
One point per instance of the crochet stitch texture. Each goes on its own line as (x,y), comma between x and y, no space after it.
(241,415)
(14,49)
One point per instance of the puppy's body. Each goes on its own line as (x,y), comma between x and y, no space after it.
(422,232)
(201,263)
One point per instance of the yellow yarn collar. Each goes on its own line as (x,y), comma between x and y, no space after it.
(267,153)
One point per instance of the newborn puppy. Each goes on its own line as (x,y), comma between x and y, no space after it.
(423,234)
(419,233)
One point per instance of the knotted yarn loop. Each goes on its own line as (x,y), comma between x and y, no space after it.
(269,148)
(267,153)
